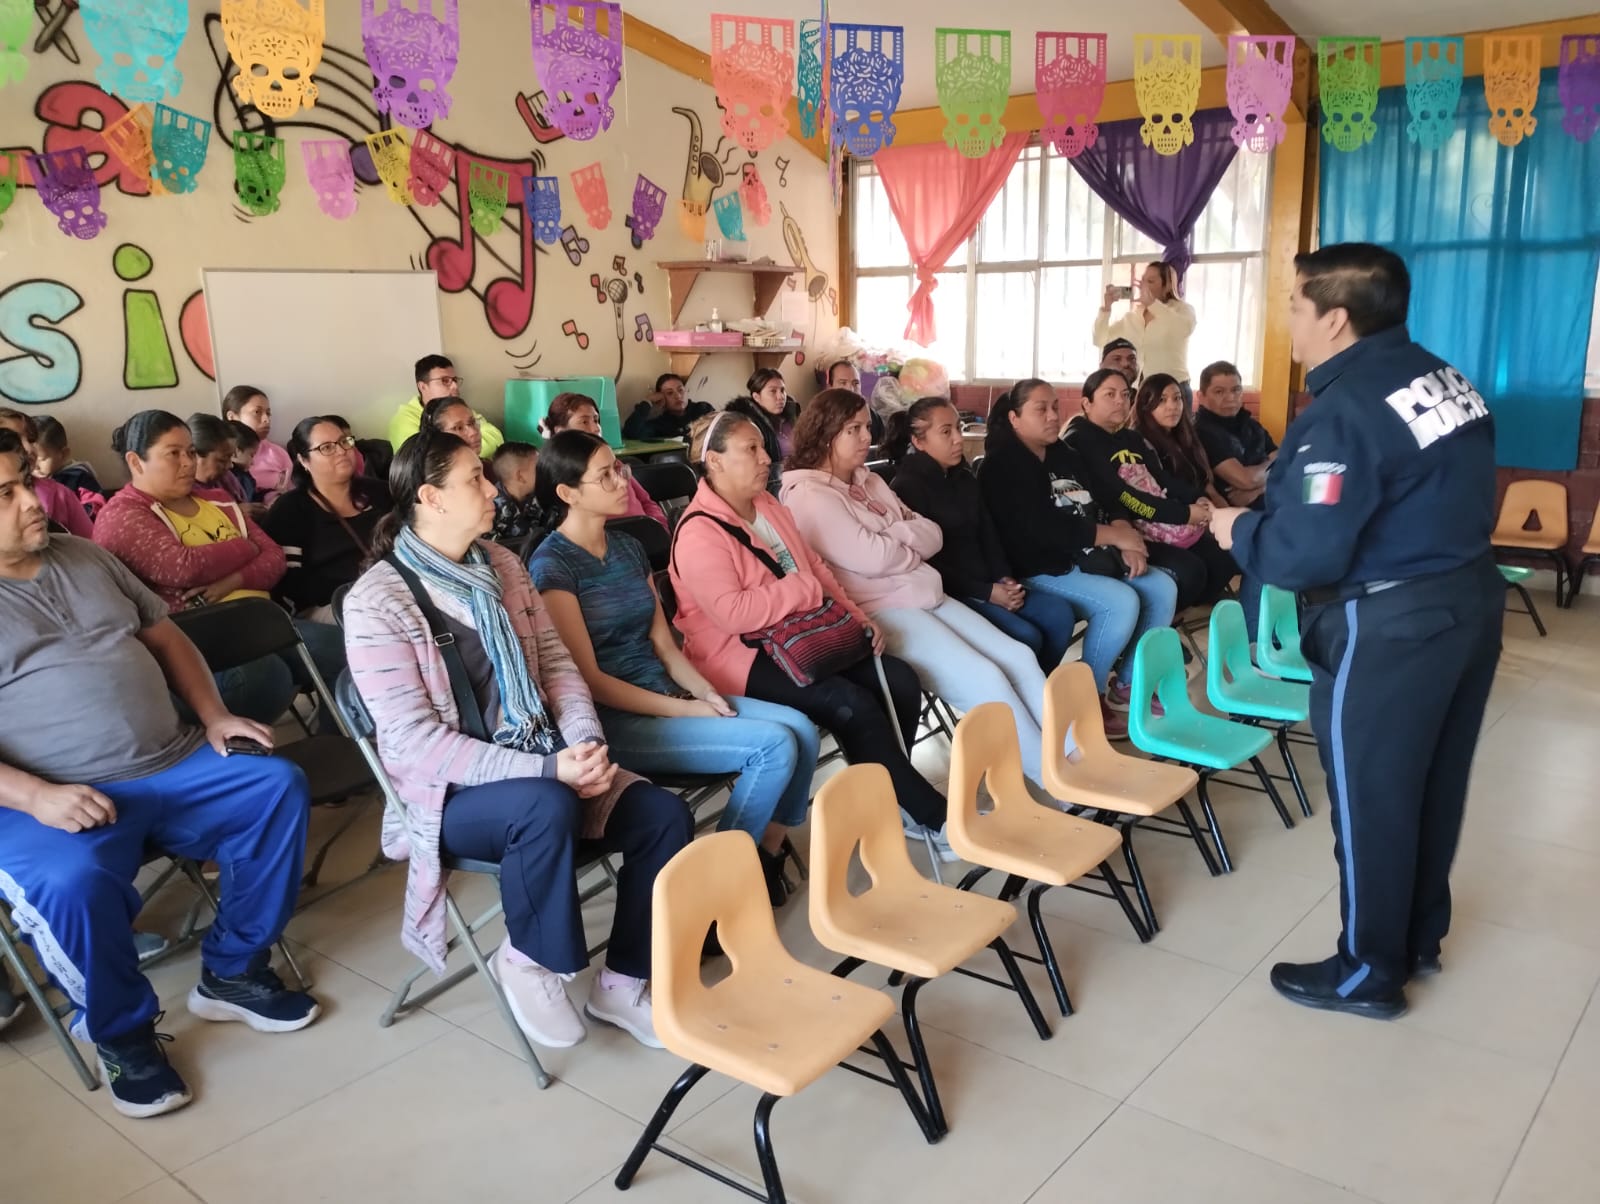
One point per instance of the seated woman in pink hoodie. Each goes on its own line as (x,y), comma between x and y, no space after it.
(878,548)
(726,592)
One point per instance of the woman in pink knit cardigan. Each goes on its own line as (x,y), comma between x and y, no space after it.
(523,777)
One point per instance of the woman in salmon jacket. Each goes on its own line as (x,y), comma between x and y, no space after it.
(727,593)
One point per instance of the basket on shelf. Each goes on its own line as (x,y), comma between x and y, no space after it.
(765,341)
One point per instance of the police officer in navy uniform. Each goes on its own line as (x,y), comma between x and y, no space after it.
(1378,515)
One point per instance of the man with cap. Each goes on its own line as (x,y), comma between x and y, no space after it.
(1378,512)
(1124,357)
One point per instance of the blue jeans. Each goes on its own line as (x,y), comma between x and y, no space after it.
(72,894)
(1119,611)
(263,689)
(772,748)
(1045,624)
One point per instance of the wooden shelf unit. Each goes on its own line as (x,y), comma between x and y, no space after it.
(766,280)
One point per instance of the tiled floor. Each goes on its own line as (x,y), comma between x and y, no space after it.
(1181,1077)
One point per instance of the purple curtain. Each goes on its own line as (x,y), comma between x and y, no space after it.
(1161,196)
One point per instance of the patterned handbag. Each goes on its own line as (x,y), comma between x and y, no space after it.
(807,646)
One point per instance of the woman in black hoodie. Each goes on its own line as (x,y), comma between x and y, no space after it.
(1127,479)
(769,407)
(932,478)
(1054,535)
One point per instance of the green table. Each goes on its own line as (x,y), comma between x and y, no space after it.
(651,447)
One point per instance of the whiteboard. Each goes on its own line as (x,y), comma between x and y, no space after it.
(314,342)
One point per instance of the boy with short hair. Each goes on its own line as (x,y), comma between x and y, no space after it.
(516,513)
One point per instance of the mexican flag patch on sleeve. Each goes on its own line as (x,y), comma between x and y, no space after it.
(1323,488)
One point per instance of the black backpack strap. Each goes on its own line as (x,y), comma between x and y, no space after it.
(738,534)
(445,641)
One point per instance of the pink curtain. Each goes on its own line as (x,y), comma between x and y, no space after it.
(938,196)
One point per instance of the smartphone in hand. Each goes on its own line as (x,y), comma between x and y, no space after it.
(245,746)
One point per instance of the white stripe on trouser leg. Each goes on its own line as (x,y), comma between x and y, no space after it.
(50,953)
(1342,785)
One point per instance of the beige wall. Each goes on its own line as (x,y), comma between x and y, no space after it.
(44,273)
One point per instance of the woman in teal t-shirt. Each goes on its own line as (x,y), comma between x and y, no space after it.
(660,715)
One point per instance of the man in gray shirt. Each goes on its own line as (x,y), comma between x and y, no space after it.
(96,769)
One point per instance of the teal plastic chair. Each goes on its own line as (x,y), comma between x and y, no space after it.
(1235,687)
(1516,577)
(1278,636)
(1188,735)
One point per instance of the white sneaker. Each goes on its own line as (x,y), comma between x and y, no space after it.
(625,1004)
(941,844)
(538,999)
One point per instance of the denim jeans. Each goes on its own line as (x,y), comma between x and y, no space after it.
(964,659)
(259,690)
(1118,611)
(772,748)
(1045,624)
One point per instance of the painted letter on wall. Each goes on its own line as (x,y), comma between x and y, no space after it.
(50,367)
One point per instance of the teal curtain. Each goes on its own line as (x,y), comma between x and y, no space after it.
(1503,244)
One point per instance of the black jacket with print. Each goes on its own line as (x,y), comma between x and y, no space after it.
(1044,512)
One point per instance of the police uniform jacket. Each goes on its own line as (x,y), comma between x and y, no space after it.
(1388,476)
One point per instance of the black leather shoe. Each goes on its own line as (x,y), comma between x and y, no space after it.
(1316,985)
(1425,967)
(772,870)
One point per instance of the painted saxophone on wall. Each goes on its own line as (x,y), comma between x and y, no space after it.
(702,172)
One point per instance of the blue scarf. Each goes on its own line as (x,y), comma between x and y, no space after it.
(524,725)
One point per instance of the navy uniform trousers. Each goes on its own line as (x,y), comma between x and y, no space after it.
(1401,678)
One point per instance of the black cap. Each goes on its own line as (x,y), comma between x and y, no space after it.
(1118,345)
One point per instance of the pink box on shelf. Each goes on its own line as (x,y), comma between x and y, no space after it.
(695,339)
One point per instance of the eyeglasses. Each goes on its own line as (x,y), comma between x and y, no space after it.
(614,477)
(327,449)
(447,380)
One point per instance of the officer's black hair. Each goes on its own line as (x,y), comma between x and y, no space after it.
(1370,283)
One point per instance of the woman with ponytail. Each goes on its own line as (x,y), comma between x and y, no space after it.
(1060,542)
(517,774)
(932,477)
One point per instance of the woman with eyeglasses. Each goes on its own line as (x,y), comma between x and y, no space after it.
(324,522)
(879,550)
(659,712)
(577,412)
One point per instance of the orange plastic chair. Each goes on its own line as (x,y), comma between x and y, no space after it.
(1022,839)
(773,1023)
(917,928)
(1591,558)
(1120,789)
(1546,500)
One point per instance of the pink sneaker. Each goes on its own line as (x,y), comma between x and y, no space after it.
(625,1002)
(538,999)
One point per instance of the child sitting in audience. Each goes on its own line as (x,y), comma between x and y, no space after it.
(245,443)
(61,504)
(52,457)
(932,478)
(214,450)
(271,465)
(517,513)
(879,550)
(660,714)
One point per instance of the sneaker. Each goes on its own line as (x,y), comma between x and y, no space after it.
(941,845)
(10,1005)
(625,1002)
(1118,695)
(257,997)
(141,1080)
(1115,722)
(149,945)
(538,999)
